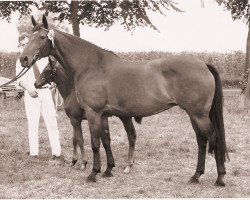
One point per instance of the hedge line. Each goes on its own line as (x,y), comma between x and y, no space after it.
(230,65)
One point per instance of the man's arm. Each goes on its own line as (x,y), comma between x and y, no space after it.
(23,83)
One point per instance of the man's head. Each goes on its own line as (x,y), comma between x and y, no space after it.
(23,40)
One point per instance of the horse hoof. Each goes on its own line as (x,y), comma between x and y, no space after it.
(193,180)
(127,170)
(91,179)
(220,184)
(73,162)
(107,174)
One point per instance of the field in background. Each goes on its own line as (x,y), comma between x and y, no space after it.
(166,153)
(230,65)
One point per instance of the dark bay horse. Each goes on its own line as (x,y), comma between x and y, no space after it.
(65,83)
(107,85)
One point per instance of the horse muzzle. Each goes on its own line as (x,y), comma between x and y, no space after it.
(38,85)
(24,60)
(27,61)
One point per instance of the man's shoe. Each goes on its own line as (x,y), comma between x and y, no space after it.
(61,157)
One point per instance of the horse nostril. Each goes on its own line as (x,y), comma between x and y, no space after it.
(25,58)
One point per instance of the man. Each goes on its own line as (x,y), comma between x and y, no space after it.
(37,102)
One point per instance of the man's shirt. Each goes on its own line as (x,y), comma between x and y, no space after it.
(29,76)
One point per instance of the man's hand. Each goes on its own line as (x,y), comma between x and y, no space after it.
(33,93)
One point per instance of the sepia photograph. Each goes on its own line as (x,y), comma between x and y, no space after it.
(125,99)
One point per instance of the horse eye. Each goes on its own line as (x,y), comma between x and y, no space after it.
(42,37)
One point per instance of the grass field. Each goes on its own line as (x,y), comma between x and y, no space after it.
(166,153)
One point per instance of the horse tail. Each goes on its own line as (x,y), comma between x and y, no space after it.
(138,119)
(216,115)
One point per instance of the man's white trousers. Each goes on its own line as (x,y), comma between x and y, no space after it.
(34,107)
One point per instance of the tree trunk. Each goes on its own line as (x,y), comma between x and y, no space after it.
(75,23)
(248,92)
(247,67)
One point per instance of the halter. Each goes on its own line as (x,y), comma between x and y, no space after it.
(48,80)
(21,73)
(50,35)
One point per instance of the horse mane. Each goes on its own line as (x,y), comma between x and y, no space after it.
(38,26)
(87,42)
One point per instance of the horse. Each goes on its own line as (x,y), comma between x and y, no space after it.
(65,83)
(107,85)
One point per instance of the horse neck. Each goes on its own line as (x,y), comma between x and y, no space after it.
(64,82)
(76,54)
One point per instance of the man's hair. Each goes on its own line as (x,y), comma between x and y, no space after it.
(22,36)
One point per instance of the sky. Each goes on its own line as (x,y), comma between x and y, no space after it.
(209,28)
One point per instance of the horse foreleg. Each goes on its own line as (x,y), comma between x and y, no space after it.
(202,145)
(80,142)
(94,121)
(105,137)
(131,134)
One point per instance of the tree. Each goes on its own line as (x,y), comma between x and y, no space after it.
(24,24)
(240,9)
(128,13)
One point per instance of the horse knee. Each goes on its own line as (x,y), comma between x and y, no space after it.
(80,141)
(106,142)
(95,145)
(74,141)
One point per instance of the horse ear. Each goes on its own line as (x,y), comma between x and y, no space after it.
(45,23)
(52,61)
(33,21)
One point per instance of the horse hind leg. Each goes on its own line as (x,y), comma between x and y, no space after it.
(131,134)
(78,140)
(105,137)
(207,130)
(75,153)
(202,145)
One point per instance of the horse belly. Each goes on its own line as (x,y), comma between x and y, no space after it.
(140,98)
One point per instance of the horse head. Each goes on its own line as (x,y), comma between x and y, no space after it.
(47,75)
(39,45)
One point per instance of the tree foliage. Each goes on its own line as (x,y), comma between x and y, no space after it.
(25,25)
(239,8)
(128,13)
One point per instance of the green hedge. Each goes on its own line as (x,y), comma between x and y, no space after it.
(230,65)
(8,64)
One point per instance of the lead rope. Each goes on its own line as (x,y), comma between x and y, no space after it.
(58,100)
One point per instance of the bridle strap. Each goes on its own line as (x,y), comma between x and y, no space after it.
(21,73)
(44,29)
